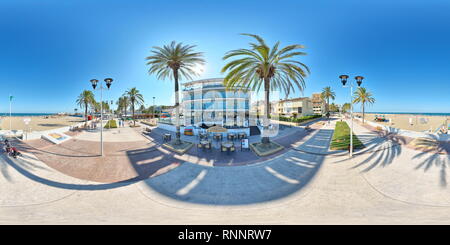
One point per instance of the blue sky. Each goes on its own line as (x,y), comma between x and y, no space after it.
(49,50)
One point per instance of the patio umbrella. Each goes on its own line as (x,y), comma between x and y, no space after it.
(217,129)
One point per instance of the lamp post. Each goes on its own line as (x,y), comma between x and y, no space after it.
(108,82)
(153,111)
(344,81)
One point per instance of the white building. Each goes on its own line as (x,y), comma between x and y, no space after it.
(208,101)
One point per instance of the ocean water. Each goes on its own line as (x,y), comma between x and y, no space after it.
(26,114)
(411,113)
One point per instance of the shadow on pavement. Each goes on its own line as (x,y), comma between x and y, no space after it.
(434,153)
(239,185)
(18,164)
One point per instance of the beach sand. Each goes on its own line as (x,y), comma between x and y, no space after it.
(39,123)
(420,123)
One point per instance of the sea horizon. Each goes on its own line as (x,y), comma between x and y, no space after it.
(26,114)
(410,113)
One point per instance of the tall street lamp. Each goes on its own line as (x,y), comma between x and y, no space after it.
(344,82)
(111,111)
(153,107)
(108,82)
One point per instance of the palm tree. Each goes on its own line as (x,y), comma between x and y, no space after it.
(175,61)
(95,106)
(271,68)
(86,99)
(361,95)
(334,107)
(122,104)
(105,105)
(135,98)
(327,93)
(142,109)
(346,107)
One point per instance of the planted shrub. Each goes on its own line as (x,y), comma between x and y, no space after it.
(111,124)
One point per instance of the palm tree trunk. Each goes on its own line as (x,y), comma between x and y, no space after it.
(363,111)
(265,138)
(177,108)
(85,114)
(134,120)
(328,105)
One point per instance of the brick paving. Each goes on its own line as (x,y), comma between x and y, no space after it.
(80,159)
(138,159)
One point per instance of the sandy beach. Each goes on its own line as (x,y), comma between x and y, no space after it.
(420,123)
(39,123)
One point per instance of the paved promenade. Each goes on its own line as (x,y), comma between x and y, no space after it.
(388,186)
(402,173)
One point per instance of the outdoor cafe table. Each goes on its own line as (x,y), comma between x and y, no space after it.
(228,145)
(231,136)
(217,136)
(241,135)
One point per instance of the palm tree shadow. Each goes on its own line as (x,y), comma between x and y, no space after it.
(433,153)
(381,147)
(18,164)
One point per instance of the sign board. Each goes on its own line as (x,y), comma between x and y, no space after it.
(244,143)
(56,138)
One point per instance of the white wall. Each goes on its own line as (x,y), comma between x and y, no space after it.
(38,134)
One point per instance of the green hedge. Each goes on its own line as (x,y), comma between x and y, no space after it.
(299,119)
(111,124)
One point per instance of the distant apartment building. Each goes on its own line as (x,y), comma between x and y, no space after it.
(296,107)
(318,105)
(257,108)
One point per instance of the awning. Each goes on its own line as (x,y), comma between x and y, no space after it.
(217,129)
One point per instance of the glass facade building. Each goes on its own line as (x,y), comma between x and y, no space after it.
(208,101)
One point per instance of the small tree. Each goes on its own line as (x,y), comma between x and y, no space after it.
(86,99)
(363,96)
(136,98)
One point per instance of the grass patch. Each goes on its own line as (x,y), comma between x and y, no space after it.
(111,124)
(341,138)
